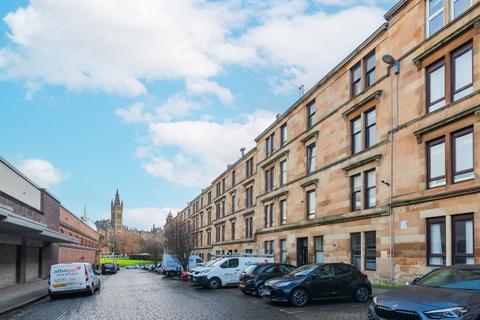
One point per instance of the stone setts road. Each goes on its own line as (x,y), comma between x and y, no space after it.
(138,294)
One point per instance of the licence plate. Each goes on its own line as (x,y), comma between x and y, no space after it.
(242,285)
(59,285)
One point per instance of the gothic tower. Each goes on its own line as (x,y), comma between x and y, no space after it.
(117,213)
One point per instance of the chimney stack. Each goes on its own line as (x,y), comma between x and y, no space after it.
(242,150)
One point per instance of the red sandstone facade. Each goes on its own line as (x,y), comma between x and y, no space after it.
(89,248)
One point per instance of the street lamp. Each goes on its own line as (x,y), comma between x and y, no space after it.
(392,62)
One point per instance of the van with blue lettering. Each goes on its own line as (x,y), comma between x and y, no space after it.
(71,278)
(226,271)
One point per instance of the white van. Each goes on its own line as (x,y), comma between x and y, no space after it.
(226,271)
(71,278)
(171,266)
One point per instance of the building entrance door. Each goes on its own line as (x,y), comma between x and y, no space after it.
(302,251)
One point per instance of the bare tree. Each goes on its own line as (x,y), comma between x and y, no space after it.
(178,241)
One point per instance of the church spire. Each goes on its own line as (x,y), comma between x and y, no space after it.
(117,198)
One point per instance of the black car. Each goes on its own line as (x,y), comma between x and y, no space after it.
(109,268)
(445,293)
(252,279)
(319,281)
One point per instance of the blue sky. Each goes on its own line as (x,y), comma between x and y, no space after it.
(152,97)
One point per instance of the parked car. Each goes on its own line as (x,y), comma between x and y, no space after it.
(72,278)
(172,267)
(226,271)
(252,279)
(117,266)
(319,281)
(445,293)
(109,268)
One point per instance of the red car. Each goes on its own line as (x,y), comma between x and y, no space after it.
(185,276)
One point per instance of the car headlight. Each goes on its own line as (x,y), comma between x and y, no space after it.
(281,284)
(205,271)
(374,300)
(454,312)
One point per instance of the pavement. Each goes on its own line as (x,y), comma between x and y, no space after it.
(19,295)
(138,294)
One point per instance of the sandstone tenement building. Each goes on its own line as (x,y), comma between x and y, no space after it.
(376,165)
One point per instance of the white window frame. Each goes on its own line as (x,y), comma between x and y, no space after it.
(452,8)
(433,16)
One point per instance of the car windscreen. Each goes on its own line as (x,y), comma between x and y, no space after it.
(210,263)
(250,268)
(304,270)
(466,279)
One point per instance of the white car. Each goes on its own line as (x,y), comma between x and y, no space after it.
(226,271)
(72,278)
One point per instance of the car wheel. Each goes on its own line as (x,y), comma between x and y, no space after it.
(260,290)
(91,290)
(299,297)
(214,283)
(246,292)
(361,294)
(170,274)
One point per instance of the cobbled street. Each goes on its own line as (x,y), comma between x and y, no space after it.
(138,294)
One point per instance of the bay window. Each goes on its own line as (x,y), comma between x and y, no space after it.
(356,192)
(356,128)
(436,253)
(311,114)
(370,128)
(311,158)
(356,80)
(311,204)
(436,86)
(283,211)
(355,244)
(436,163)
(462,149)
(459,6)
(435,16)
(462,238)
(370,250)
(370,189)
(462,72)
(283,172)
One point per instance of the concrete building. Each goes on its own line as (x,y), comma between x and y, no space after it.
(29,228)
(88,248)
(374,165)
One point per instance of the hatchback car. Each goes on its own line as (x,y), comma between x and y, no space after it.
(445,293)
(319,281)
(109,268)
(252,279)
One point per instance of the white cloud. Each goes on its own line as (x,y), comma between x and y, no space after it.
(135,42)
(129,42)
(347,3)
(198,157)
(307,46)
(200,86)
(145,218)
(176,106)
(131,114)
(41,172)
